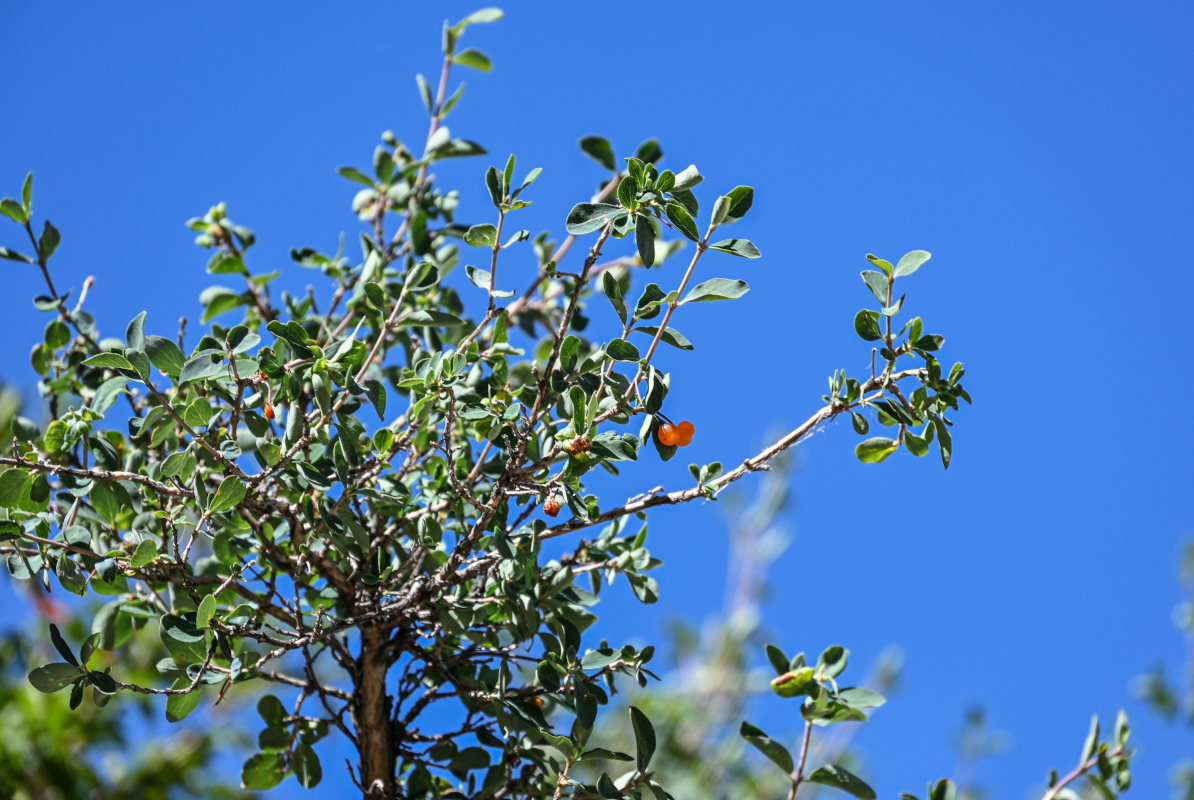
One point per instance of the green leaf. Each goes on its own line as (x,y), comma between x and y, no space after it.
(497,189)
(428,103)
(833,660)
(741,199)
(720,208)
(54,677)
(355,175)
(688,200)
(613,290)
(607,788)
(644,738)
(109,499)
(866,325)
(683,221)
(841,778)
(1122,729)
(224,263)
(12,487)
(490,14)
(601,754)
(945,442)
(90,645)
(13,255)
(263,771)
(588,217)
(271,710)
(716,289)
(929,343)
(383,164)
(186,643)
(686,179)
(644,239)
(134,335)
(383,439)
(230,493)
(600,150)
(145,554)
(622,350)
(206,610)
(375,390)
(61,646)
(217,300)
(737,247)
(911,262)
(481,279)
(1092,740)
(49,240)
(204,364)
(27,195)
(877,283)
(109,361)
(918,445)
(375,295)
(856,697)
(944,790)
(13,210)
(670,335)
(769,747)
(180,706)
(473,58)
(880,263)
(530,178)
(779,661)
(431,318)
(307,769)
(627,192)
(649,151)
(481,235)
(568,350)
(102,682)
(875,449)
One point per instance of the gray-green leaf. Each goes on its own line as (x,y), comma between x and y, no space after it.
(716,289)
(589,217)
(769,747)
(744,248)
(841,778)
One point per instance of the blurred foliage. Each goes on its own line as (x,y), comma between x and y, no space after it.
(1173,699)
(715,673)
(49,752)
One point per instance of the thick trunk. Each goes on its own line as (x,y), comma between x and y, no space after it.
(371,716)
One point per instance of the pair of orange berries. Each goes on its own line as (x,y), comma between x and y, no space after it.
(675,435)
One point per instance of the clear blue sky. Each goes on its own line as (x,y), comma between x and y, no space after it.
(1041,151)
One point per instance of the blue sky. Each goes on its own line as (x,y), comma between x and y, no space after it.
(1041,151)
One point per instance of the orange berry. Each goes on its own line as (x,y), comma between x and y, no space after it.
(685,430)
(269,411)
(551,507)
(668,434)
